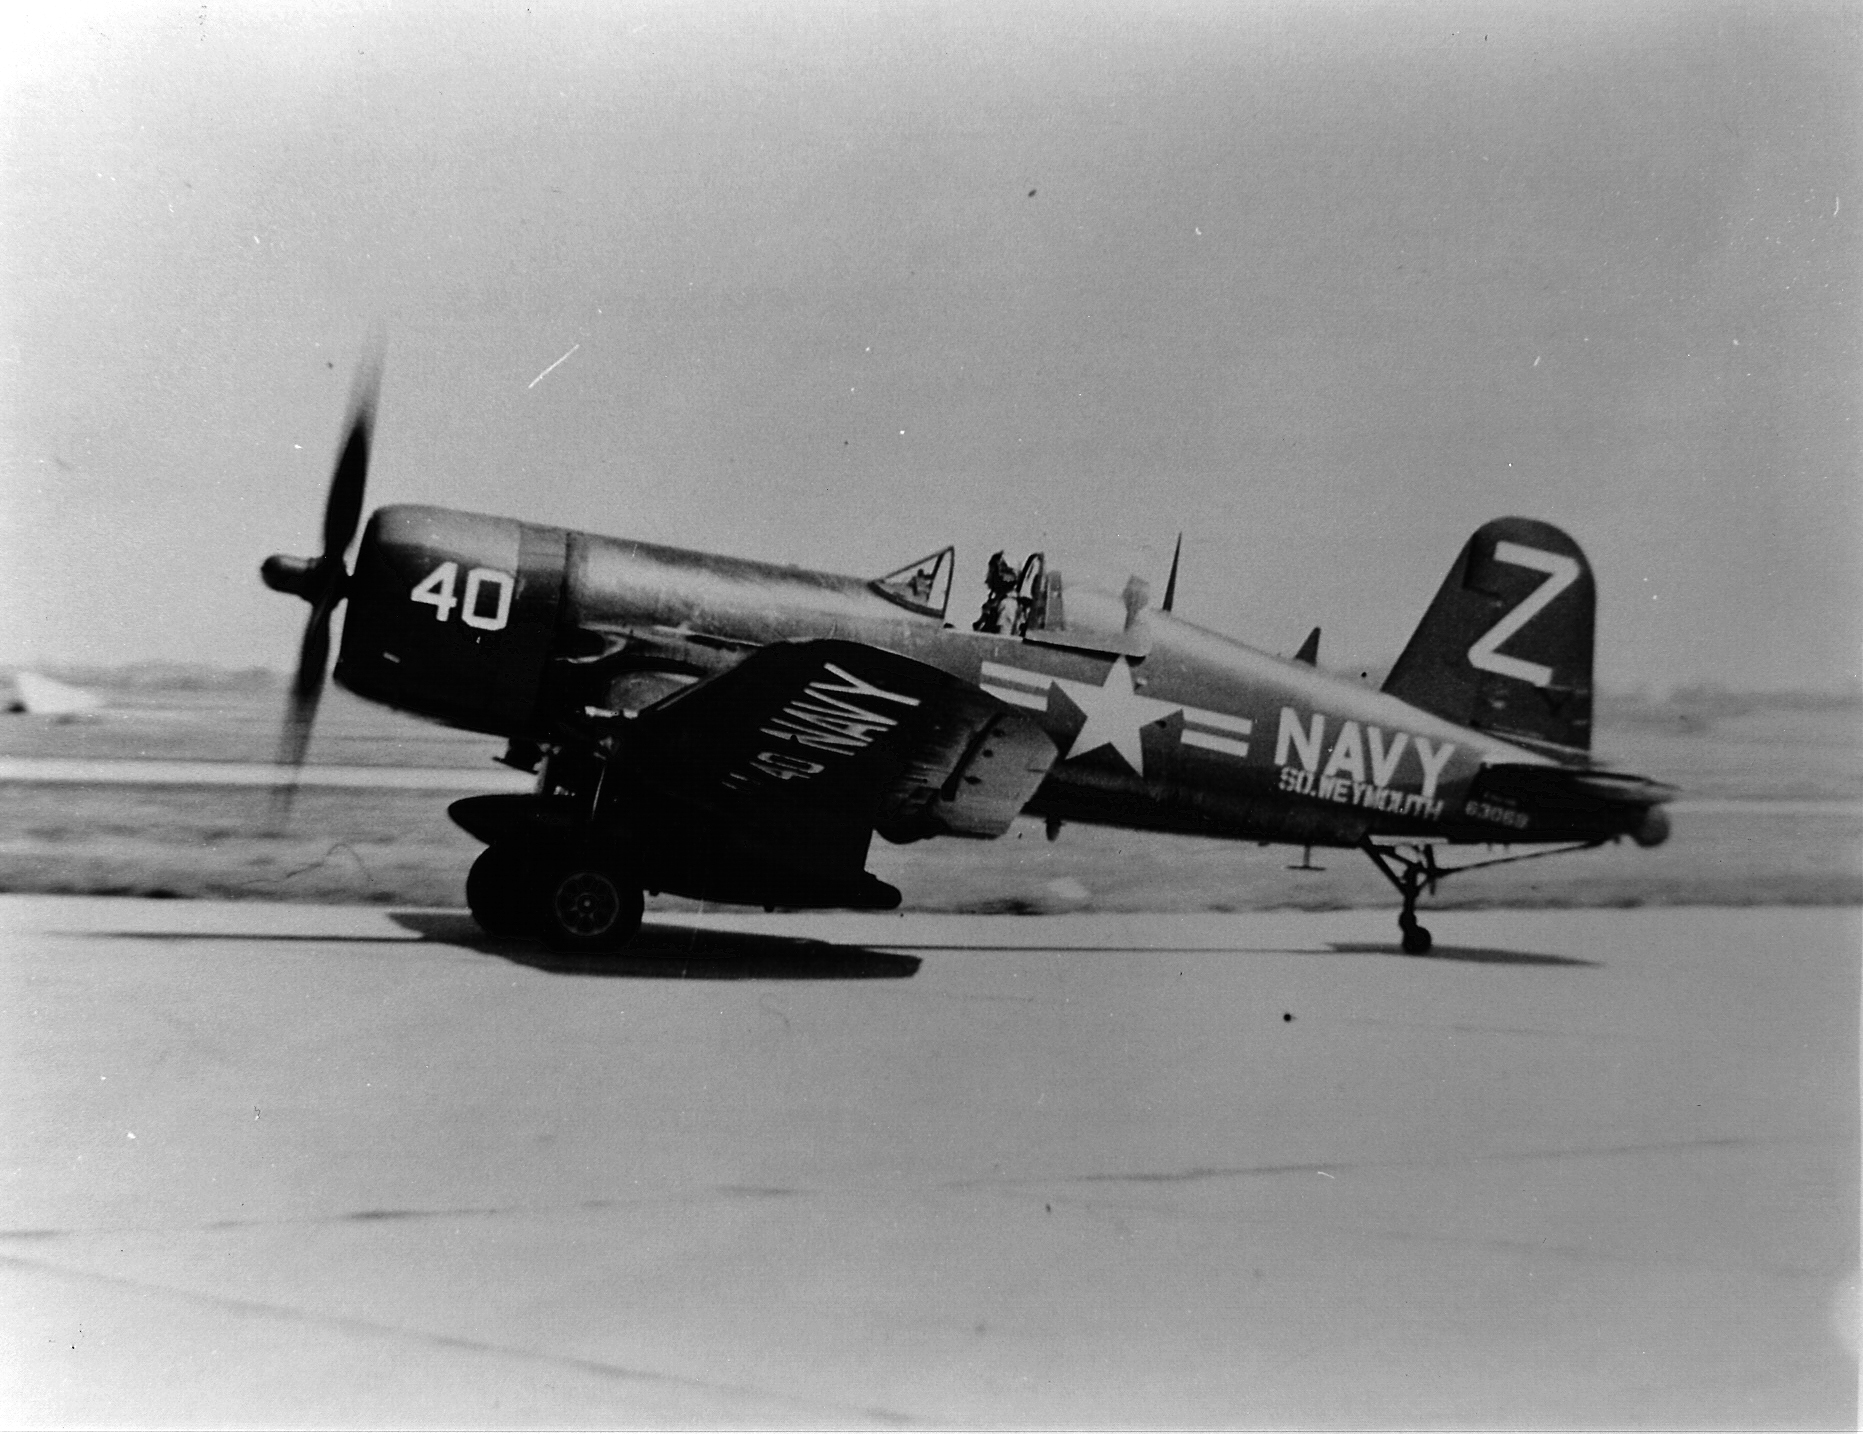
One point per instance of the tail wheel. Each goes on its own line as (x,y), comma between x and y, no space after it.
(589,905)
(501,891)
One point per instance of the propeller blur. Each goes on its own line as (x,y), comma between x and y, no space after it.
(321,581)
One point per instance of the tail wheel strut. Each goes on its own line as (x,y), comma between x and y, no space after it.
(1412,876)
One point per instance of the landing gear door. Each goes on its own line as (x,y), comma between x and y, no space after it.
(997,779)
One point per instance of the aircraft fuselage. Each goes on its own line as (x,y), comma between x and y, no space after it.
(1159,724)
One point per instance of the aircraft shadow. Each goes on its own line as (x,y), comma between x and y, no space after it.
(1488,955)
(668,951)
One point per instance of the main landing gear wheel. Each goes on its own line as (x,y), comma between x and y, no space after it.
(501,892)
(1416,940)
(589,906)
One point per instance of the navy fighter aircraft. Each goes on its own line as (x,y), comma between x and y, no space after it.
(737,731)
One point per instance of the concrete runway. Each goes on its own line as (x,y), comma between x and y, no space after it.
(325,1166)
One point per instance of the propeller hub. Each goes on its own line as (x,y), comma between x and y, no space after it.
(304,577)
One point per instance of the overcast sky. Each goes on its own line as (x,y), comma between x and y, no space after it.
(1324,285)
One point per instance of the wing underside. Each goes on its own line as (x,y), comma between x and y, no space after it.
(798,734)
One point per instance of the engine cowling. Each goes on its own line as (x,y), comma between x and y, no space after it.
(453,616)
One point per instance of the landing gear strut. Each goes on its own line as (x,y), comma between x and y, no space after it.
(1412,876)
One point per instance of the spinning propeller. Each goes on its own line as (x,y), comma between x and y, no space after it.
(321,581)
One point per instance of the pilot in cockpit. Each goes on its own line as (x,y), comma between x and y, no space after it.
(1001,608)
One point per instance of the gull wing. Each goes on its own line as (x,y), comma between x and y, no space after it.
(848,732)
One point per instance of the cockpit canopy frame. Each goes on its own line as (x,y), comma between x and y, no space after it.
(922,586)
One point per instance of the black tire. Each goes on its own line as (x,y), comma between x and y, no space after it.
(589,905)
(1416,940)
(501,892)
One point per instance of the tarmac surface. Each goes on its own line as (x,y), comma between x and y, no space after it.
(347,1167)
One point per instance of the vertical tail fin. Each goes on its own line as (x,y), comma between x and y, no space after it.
(1506,645)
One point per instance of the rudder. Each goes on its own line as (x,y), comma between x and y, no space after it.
(1506,646)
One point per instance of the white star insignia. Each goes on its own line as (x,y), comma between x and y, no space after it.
(1114,715)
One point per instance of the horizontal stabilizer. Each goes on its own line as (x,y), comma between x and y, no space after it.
(1564,802)
(1574,783)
